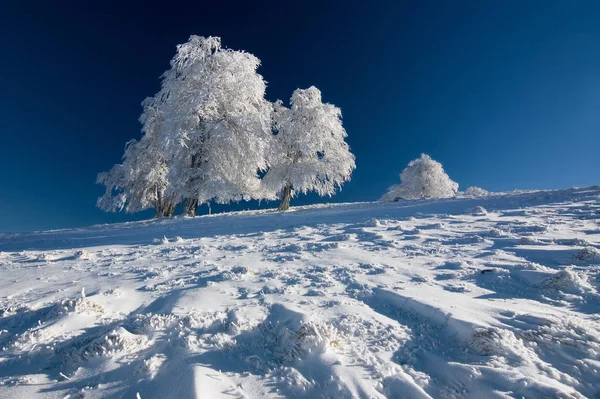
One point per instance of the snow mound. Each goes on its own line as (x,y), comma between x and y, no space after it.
(496,233)
(152,365)
(526,240)
(285,336)
(44,257)
(79,305)
(13,309)
(284,345)
(203,322)
(479,211)
(374,223)
(161,241)
(584,336)
(377,336)
(495,341)
(27,341)
(118,341)
(474,191)
(568,280)
(82,254)
(318,336)
(588,254)
(293,380)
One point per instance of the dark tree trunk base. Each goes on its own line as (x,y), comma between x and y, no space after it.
(164,207)
(190,207)
(170,211)
(286,196)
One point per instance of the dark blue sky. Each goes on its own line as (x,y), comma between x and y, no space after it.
(506,94)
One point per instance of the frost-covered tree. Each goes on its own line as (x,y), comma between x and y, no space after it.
(309,152)
(139,182)
(422,178)
(205,134)
(219,123)
(136,184)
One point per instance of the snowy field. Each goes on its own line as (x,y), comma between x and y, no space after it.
(482,298)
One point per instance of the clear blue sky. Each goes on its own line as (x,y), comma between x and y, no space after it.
(506,94)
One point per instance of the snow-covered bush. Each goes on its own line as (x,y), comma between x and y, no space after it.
(475,192)
(309,152)
(422,178)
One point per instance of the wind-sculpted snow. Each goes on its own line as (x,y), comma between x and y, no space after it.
(491,296)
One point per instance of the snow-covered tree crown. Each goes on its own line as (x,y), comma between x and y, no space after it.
(309,152)
(422,178)
(205,132)
(221,122)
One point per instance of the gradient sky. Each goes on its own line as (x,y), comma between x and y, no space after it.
(506,94)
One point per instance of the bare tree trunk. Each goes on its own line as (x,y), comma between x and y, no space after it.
(170,208)
(190,206)
(162,209)
(165,206)
(158,204)
(286,196)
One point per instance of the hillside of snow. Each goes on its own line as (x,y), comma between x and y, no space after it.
(491,297)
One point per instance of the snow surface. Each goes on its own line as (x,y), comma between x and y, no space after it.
(494,296)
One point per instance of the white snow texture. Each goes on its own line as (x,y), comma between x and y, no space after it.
(419,299)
